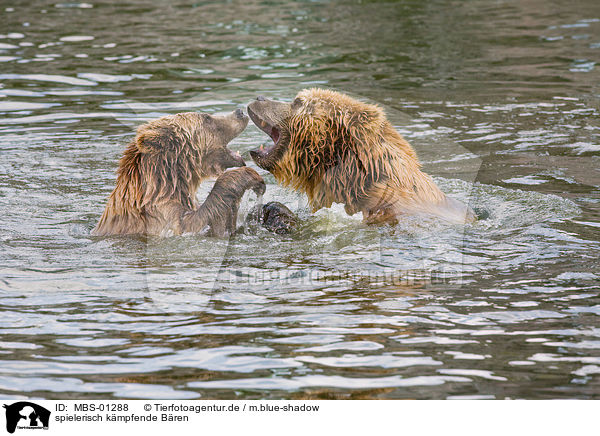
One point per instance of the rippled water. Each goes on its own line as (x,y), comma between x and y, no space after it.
(501,101)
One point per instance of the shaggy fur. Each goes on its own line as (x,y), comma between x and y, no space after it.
(160,172)
(339,150)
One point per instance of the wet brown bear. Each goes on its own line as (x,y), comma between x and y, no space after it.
(160,172)
(339,150)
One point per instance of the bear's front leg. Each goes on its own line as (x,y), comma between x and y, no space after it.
(219,211)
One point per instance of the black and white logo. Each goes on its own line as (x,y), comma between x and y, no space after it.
(26,415)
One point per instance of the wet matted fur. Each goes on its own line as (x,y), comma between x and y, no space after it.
(337,149)
(160,172)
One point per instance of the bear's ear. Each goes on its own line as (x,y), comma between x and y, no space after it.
(158,140)
(364,118)
(308,108)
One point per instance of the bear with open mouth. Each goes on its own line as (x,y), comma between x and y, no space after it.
(337,149)
(162,168)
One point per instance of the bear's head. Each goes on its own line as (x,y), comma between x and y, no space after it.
(310,131)
(170,156)
(328,145)
(200,138)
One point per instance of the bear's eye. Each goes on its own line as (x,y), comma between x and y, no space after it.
(296,103)
(206,118)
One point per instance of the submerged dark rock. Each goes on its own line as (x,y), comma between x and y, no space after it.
(274,216)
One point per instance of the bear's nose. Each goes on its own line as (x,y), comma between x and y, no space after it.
(239,113)
(260,98)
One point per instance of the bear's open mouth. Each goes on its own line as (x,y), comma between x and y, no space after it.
(263,151)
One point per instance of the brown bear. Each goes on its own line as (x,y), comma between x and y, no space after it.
(160,172)
(337,149)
